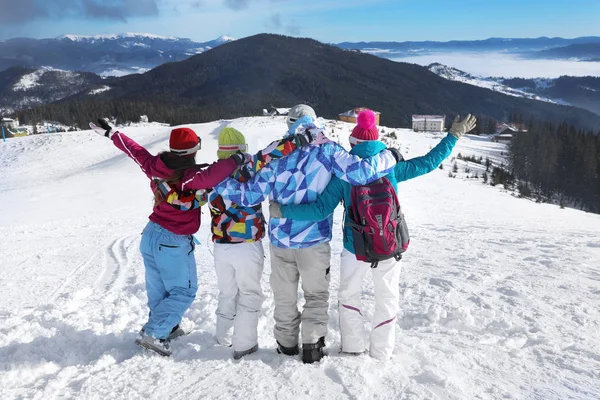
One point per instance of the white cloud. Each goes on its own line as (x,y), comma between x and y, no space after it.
(507,65)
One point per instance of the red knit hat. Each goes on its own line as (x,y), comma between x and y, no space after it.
(184,142)
(366,127)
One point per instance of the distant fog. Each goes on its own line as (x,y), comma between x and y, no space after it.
(507,65)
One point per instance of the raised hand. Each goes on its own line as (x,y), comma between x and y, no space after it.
(241,158)
(312,135)
(104,128)
(459,128)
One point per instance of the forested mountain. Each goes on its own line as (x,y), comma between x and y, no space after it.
(583,92)
(582,51)
(243,77)
(24,87)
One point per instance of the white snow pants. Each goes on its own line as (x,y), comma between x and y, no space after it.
(386,278)
(239,270)
(288,266)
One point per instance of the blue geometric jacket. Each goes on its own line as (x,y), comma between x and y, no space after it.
(299,178)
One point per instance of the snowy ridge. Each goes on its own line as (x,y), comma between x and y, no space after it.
(500,296)
(494,84)
(30,81)
(114,36)
(100,90)
(124,71)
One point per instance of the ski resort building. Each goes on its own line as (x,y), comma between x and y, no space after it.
(10,123)
(506,132)
(350,115)
(273,111)
(428,123)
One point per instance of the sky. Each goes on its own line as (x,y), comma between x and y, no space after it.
(330,21)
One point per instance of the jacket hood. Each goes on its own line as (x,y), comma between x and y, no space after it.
(368,148)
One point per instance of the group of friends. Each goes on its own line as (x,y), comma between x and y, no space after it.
(305,176)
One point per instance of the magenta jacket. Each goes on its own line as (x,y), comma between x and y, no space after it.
(176,221)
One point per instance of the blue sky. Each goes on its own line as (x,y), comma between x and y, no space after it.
(325,20)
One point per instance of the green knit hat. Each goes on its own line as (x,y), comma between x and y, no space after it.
(230,141)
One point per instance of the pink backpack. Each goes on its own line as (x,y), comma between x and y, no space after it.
(378,226)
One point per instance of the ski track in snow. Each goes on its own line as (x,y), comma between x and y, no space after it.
(499,295)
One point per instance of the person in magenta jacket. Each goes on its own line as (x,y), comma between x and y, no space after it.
(167,244)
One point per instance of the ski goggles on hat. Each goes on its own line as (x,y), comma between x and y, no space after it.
(186,152)
(233,147)
(356,141)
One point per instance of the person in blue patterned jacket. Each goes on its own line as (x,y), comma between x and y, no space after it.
(365,143)
(300,249)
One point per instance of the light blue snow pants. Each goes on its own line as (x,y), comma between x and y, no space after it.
(171,280)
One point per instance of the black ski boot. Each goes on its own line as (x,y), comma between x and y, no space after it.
(288,351)
(313,352)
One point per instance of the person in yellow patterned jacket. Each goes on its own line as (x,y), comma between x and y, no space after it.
(238,230)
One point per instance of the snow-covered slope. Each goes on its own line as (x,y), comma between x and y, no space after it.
(500,296)
(21,88)
(494,84)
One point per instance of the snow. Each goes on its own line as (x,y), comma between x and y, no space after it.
(124,71)
(224,39)
(29,81)
(500,295)
(114,36)
(100,90)
(454,74)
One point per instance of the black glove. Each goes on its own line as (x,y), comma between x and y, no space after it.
(313,135)
(396,153)
(241,158)
(302,139)
(103,128)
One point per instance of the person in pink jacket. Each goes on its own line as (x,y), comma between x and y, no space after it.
(167,244)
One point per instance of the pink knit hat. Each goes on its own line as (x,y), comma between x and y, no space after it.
(366,127)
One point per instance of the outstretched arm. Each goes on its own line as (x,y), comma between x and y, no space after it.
(418,166)
(209,177)
(281,148)
(422,165)
(252,192)
(150,165)
(185,200)
(182,200)
(358,171)
(321,208)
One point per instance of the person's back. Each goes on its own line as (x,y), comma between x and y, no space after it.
(300,249)
(238,230)
(167,245)
(386,275)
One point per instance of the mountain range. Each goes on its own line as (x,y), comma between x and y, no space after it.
(582,92)
(540,48)
(244,76)
(102,54)
(126,53)
(582,51)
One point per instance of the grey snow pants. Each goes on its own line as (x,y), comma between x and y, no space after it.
(311,266)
